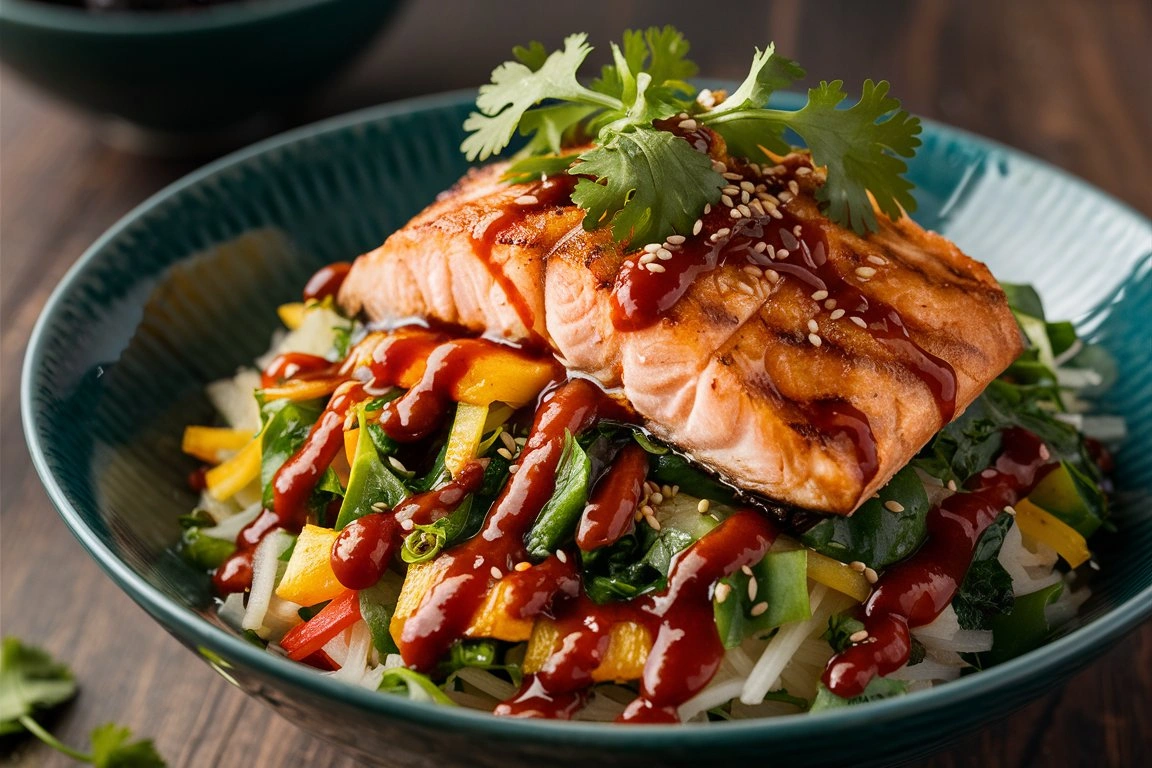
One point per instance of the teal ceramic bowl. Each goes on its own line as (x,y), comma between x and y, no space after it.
(183,290)
(187,72)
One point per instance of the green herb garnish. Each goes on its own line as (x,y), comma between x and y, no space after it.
(646,183)
(31,681)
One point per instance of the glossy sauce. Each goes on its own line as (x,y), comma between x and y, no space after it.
(612,505)
(446,609)
(327,281)
(295,365)
(915,591)
(430,506)
(686,649)
(235,573)
(362,550)
(549,193)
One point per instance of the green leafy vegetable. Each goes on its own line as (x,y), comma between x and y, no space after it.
(370,482)
(986,591)
(841,627)
(781,586)
(424,542)
(879,688)
(376,606)
(1025,628)
(674,469)
(31,681)
(286,425)
(557,520)
(204,552)
(644,182)
(874,534)
(418,687)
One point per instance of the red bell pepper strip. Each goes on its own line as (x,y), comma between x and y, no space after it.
(305,639)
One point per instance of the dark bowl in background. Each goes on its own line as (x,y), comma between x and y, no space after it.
(187,72)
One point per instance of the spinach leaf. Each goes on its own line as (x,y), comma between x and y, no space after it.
(879,688)
(205,552)
(376,606)
(557,520)
(674,469)
(286,425)
(986,591)
(874,534)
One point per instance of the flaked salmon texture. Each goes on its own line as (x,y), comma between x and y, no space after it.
(801,361)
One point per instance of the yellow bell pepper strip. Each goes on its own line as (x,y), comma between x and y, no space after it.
(505,375)
(292,315)
(840,577)
(1048,529)
(209,443)
(464,439)
(303,389)
(309,578)
(628,647)
(225,480)
(494,620)
(420,578)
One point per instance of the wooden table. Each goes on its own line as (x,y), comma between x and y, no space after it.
(1066,81)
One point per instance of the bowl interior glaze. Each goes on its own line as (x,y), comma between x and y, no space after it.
(183,291)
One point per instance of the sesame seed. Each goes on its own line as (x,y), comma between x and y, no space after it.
(796,230)
(508,441)
(877,260)
(647,511)
(744,209)
(522,566)
(735,213)
(727,200)
(893,506)
(793,187)
(837,314)
(395,462)
(651,247)
(505,453)
(732,176)
(784,196)
(757,207)
(782,253)
(865,272)
(753,587)
(718,166)
(722,592)
(513,468)
(747,186)
(688,125)
(779,169)
(775,213)
(656,268)
(988,473)
(707,208)
(758,609)
(664,255)
(379,507)
(760,247)
(647,259)
(703,506)
(676,239)
(747,571)
(699,225)
(803,171)
(666,490)
(857,566)
(561,556)
(819,295)
(653,523)
(813,326)
(674,490)
(496,573)
(772,275)
(858,636)
(1010,510)
(859,321)
(1045,454)
(407,524)
(814,340)
(1094,565)
(730,190)
(526,200)
(871,576)
(830,304)
(951,485)
(745,289)
(656,498)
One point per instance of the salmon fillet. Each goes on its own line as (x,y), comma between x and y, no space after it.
(801,361)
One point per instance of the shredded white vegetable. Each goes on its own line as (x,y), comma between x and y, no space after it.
(233,399)
(781,648)
(265,564)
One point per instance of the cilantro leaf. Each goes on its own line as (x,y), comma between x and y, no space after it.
(516,87)
(111,749)
(769,73)
(661,53)
(29,680)
(649,183)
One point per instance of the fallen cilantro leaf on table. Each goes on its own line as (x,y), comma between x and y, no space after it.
(31,681)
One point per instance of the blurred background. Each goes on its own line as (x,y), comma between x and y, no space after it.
(1061,79)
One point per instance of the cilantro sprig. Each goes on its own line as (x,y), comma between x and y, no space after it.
(646,183)
(31,682)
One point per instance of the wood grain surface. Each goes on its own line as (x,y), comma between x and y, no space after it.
(1067,81)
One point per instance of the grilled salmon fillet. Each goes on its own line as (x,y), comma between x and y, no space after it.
(793,357)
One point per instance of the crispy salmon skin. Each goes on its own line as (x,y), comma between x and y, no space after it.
(793,357)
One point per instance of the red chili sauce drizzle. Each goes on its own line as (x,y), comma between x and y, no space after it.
(363,549)
(430,506)
(610,509)
(550,193)
(446,609)
(914,592)
(327,281)
(686,649)
(296,365)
